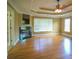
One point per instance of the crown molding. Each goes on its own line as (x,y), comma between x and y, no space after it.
(13,6)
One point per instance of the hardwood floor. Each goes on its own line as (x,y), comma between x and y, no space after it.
(57,47)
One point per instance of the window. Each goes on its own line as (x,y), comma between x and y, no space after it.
(67,25)
(43,24)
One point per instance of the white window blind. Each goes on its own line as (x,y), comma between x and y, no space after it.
(67,25)
(43,24)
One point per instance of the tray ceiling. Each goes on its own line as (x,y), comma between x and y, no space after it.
(32,7)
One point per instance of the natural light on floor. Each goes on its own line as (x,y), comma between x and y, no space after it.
(67,47)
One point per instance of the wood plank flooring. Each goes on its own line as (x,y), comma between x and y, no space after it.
(57,47)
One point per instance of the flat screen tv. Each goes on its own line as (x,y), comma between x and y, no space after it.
(26,19)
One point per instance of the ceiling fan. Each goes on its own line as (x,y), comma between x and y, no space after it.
(58,9)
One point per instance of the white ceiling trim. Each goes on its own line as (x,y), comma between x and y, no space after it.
(27,10)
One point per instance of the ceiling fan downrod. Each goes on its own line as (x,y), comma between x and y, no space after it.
(58,4)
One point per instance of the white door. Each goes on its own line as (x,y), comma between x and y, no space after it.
(10,28)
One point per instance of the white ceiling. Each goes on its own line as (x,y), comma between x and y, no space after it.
(25,7)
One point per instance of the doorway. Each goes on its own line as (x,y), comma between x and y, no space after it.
(10,28)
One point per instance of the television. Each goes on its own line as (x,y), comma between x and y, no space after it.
(26,19)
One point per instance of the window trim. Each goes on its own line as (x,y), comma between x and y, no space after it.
(70,25)
(42,31)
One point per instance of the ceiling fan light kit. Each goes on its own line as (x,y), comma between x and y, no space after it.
(58,10)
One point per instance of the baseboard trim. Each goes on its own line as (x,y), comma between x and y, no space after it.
(10,48)
(66,35)
(16,42)
(46,34)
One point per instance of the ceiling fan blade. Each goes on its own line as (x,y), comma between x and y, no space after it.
(49,9)
(65,6)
